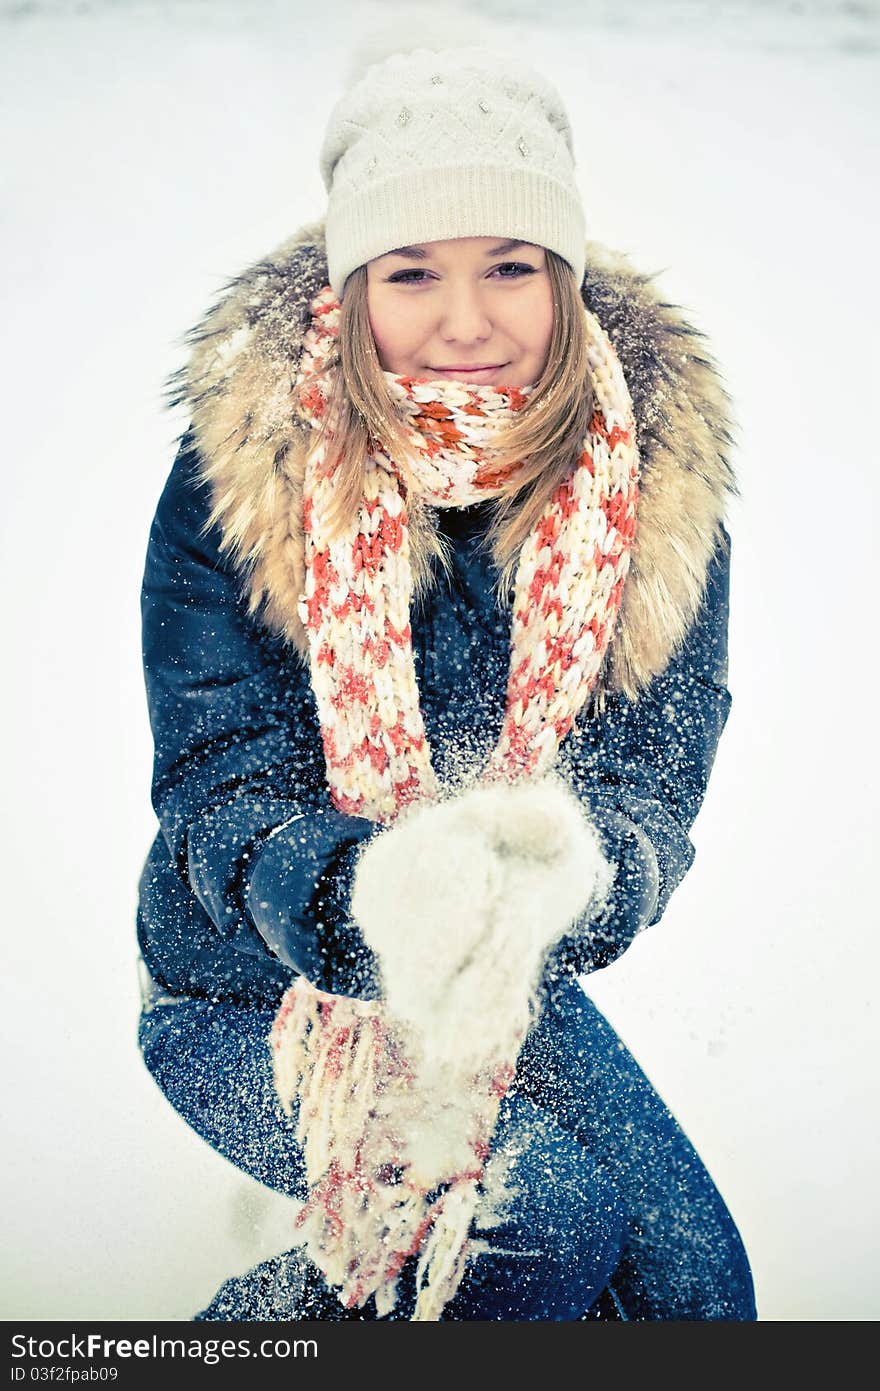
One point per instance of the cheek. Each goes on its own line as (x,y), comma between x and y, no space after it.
(540,327)
(529,321)
(396,334)
(382,328)
(377,326)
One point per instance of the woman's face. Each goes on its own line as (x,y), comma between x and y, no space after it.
(473,309)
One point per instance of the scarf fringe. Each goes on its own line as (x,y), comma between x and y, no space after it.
(339,1067)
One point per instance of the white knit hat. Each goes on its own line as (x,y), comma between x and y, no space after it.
(437,143)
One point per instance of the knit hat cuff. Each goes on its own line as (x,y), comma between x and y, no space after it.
(425,205)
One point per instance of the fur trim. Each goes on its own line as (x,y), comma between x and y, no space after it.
(237,386)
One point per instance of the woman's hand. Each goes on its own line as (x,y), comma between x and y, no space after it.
(461,900)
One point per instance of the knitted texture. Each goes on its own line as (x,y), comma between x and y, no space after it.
(361,1088)
(354,1081)
(462,142)
(355,608)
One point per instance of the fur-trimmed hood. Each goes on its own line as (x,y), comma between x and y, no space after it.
(237,386)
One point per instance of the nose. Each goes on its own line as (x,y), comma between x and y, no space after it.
(463,318)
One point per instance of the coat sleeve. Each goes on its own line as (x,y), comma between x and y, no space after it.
(238,784)
(641,770)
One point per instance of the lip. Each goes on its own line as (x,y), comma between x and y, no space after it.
(473,370)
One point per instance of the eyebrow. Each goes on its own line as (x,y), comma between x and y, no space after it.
(415,253)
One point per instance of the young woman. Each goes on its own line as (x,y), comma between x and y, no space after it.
(434,625)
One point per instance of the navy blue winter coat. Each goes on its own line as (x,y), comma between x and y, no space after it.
(247,880)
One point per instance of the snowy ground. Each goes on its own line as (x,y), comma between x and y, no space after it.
(155,149)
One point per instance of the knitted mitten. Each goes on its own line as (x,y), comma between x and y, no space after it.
(461,900)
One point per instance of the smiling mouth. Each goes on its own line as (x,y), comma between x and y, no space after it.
(474,367)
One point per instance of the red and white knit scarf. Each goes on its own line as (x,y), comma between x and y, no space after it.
(348,1070)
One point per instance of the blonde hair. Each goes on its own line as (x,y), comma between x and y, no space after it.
(547,434)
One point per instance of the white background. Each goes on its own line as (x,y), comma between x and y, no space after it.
(154,150)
